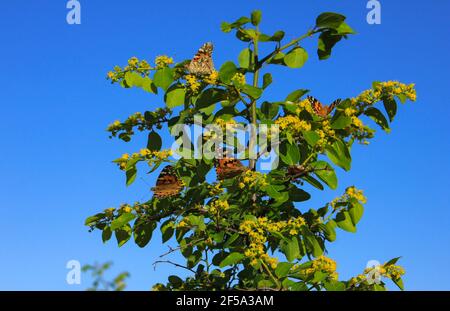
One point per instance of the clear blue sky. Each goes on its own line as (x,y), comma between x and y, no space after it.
(56,105)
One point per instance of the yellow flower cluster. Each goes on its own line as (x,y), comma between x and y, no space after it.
(350,111)
(294,124)
(163,61)
(257,232)
(158,287)
(193,83)
(304,105)
(217,206)
(134,64)
(145,154)
(357,194)
(215,189)
(323,264)
(212,78)
(238,80)
(224,123)
(182,224)
(386,89)
(393,272)
(126,208)
(253,179)
(326,128)
(131,121)
(357,122)
(350,193)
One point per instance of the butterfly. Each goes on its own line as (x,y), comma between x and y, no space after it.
(322,110)
(229,168)
(202,63)
(296,171)
(167,184)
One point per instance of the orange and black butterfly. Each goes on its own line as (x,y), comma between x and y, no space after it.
(229,168)
(202,63)
(322,110)
(167,184)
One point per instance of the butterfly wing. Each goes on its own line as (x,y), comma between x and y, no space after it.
(317,106)
(167,184)
(322,110)
(202,63)
(333,105)
(229,168)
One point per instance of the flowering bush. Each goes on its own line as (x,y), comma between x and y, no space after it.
(252,230)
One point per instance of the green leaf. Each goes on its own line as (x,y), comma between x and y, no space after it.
(130,175)
(210,97)
(136,80)
(393,261)
(378,117)
(333,285)
(390,105)
(245,35)
(298,195)
(345,29)
(356,211)
(277,36)
(292,156)
(270,110)
(311,137)
(329,20)
(325,173)
(330,230)
(122,220)
(296,95)
(143,231)
(227,71)
(93,219)
(154,141)
(167,230)
(312,245)
(282,269)
(399,283)
(225,27)
(344,221)
(230,240)
(327,40)
(267,80)
(256,17)
(175,97)
(246,59)
(175,281)
(290,249)
(106,234)
(252,91)
(341,122)
(123,234)
(163,78)
(296,58)
(340,155)
(232,259)
(277,59)
(313,182)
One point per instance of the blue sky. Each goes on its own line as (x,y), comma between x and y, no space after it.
(56,105)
